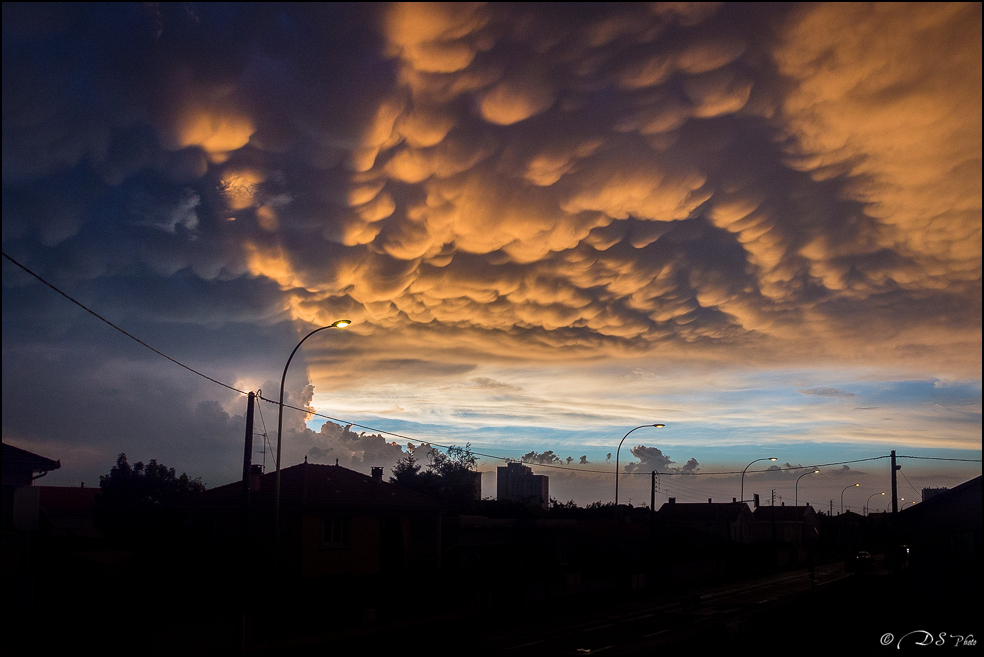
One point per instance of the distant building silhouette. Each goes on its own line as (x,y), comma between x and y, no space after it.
(798,525)
(928,493)
(335,521)
(792,531)
(517,483)
(944,532)
(730,520)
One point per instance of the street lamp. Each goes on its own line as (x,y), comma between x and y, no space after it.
(888,506)
(340,324)
(797,487)
(867,508)
(657,425)
(842,495)
(742,498)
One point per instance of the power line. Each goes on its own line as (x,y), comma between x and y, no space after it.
(936,458)
(427,442)
(773,469)
(129,335)
(209,378)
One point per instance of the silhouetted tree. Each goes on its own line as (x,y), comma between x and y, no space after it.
(449,475)
(142,502)
(407,473)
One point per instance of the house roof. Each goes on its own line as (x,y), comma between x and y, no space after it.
(784,513)
(68,499)
(702,512)
(327,486)
(19,463)
(967,494)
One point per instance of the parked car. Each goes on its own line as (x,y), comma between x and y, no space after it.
(861,562)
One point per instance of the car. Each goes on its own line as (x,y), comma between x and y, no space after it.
(861,562)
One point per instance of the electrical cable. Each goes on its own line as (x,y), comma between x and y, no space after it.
(424,442)
(129,335)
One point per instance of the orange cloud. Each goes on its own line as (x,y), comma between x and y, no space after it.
(893,93)
(217,132)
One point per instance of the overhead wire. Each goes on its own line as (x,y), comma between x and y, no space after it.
(408,438)
(127,334)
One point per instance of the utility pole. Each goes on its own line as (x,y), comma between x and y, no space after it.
(652,507)
(895,487)
(248,448)
(244,521)
(896,530)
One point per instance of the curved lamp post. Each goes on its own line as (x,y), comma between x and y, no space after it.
(742,498)
(657,425)
(342,323)
(797,487)
(842,495)
(867,508)
(889,505)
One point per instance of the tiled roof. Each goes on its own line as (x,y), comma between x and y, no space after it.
(19,462)
(328,486)
(783,513)
(701,512)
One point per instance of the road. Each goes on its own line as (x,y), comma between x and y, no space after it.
(713,615)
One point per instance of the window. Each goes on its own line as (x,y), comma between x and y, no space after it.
(335,531)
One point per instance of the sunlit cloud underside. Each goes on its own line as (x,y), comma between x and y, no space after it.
(758,224)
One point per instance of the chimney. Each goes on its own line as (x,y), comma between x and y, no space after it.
(377,475)
(708,500)
(672,500)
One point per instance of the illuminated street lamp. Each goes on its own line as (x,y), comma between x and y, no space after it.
(340,324)
(814,471)
(657,426)
(842,495)
(742,498)
(867,509)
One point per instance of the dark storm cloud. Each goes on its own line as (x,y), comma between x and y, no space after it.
(359,451)
(617,178)
(86,406)
(523,183)
(652,458)
(546,458)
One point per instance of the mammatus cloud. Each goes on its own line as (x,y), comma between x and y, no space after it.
(726,179)
(686,209)
(748,186)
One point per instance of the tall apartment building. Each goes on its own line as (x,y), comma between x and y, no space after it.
(517,482)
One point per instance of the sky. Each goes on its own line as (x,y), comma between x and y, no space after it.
(756,224)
